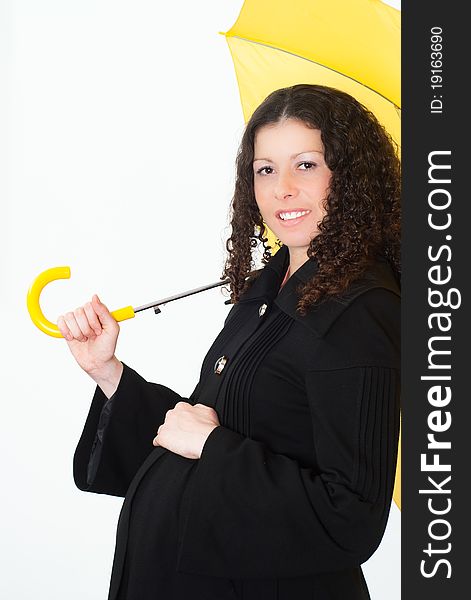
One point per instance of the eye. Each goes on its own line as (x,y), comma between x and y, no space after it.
(262,169)
(309,165)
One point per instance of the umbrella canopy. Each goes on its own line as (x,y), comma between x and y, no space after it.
(351,45)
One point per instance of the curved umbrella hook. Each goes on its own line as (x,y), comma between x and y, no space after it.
(34,307)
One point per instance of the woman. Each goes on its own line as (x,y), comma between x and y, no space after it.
(274,479)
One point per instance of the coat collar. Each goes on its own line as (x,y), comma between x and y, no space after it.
(320,317)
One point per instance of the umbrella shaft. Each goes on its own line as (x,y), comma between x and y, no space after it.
(181,295)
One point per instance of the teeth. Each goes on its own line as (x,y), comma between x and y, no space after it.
(292,215)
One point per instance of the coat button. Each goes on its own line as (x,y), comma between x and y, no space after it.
(220,364)
(261,310)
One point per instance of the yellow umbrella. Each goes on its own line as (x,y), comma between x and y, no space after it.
(351,45)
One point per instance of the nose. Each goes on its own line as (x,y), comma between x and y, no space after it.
(285,186)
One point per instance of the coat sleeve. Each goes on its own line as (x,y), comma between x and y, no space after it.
(255,513)
(118,433)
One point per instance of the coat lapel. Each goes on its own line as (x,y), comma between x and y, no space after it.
(321,316)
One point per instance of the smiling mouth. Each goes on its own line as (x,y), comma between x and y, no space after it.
(292,216)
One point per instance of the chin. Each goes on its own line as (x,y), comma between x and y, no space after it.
(296,236)
(294,240)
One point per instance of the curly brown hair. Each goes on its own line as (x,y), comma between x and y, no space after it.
(363,212)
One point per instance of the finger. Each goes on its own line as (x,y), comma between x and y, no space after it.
(73,327)
(182,404)
(61,324)
(155,441)
(83,323)
(92,318)
(102,311)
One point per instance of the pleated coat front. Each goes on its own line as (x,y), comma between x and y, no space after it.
(293,490)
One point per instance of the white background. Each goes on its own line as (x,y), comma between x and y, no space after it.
(119,126)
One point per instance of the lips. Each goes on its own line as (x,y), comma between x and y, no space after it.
(289,214)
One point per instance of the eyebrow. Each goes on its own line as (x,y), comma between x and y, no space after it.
(292,156)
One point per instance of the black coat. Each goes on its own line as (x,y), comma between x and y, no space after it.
(292,492)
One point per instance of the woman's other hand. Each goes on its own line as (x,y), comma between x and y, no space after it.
(186,429)
(91,333)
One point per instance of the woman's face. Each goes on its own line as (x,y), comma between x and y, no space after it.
(290,177)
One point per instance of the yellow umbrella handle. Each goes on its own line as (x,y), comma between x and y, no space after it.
(34,307)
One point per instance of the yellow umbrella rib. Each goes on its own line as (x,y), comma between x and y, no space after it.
(310,60)
(360,38)
(261,68)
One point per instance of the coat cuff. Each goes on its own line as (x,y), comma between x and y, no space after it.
(118,433)
(221,439)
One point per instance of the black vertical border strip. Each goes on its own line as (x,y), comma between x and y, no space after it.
(424,132)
